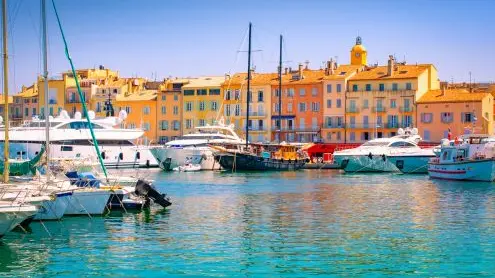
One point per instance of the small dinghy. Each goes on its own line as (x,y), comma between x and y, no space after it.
(188,167)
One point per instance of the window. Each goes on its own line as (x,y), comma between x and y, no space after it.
(250,96)
(276,107)
(407,104)
(176,110)
(338,135)
(314,91)
(395,86)
(146,110)
(329,103)
(467,117)
(302,123)
(352,137)
(176,97)
(202,122)
(237,95)
(237,111)
(365,104)
(189,106)
(214,106)
(340,121)
(289,107)
(146,126)
(164,110)
(227,110)
(128,109)
(164,125)
(214,92)
(329,88)
(368,87)
(328,121)
(408,86)
(393,103)
(275,92)
(339,88)
(354,88)
(34,111)
(446,117)
(164,97)
(315,106)
(201,106)
(302,92)
(339,103)
(227,95)
(26,112)
(188,123)
(290,92)
(329,136)
(260,96)
(189,92)
(176,125)
(381,87)
(365,121)
(260,124)
(66,148)
(426,135)
(201,92)
(302,107)
(163,139)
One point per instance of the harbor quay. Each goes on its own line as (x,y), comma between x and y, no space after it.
(338,103)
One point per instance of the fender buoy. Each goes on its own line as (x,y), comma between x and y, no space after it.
(370,156)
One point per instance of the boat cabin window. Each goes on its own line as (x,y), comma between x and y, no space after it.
(476,140)
(402,144)
(40,124)
(80,125)
(446,155)
(372,144)
(205,137)
(461,153)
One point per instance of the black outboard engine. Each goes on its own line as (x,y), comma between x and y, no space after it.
(145,190)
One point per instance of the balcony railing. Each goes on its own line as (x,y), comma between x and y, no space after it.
(406,109)
(333,126)
(352,110)
(296,129)
(375,93)
(255,113)
(257,128)
(381,109)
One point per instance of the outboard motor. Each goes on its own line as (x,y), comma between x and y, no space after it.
(145,190)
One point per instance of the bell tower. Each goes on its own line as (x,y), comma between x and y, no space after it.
(359,53)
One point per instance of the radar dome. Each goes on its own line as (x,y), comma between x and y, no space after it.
(91,114)
(414,131)
(401,131)
(122,115)
(77,115)
(1,119)
(64,114)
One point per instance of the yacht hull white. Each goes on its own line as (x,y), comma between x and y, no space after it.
(476,170)
(84,202)
(54,209)
(171,158)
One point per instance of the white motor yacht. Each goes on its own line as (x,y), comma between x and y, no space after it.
(472,158)
(70,138)
(194,148)
(372,155)
(415,162)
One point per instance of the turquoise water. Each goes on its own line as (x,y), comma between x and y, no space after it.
(275,224)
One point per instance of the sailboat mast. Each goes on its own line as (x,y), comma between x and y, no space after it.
(280,93)
(45,78)
(5,94)
(248,85)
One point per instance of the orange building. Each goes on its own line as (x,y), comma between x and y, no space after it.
(169,109)
(302,110)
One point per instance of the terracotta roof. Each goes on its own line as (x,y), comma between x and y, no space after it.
(309,77)
(138,96)
(342,72)
(452,95)
(204,81)
(115,83)
(2,102)
(257,79)
(29,92)
(401,72)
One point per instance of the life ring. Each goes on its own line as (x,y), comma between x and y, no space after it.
(320,159)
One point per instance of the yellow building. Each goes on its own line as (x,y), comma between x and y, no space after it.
(459,110)
(234,110)
(201,99)
(380,99)
(334,96)
(141,112)
(2,106)
(56,94)
(25,103)
(169,109)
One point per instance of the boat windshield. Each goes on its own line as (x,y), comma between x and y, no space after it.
(202,137)
(375,144)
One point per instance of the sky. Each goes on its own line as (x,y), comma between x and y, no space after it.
(158,39)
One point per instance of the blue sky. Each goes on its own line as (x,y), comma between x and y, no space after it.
(193,37)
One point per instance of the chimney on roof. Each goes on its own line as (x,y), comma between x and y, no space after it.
(391,66)
(330,69)
(286,70)
(300,71)
(443,89)
(307,64)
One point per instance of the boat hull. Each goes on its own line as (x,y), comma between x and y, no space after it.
(13,217)
(84,202)
(246,162)
(364,163)
(476,170)
(54,209)
(170,158)
(411,164)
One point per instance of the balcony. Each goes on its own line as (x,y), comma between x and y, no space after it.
(255,114)
(386,93)
(74,101)
(406,109)
(333,126)
(257,128)
(392,125)
(352,110)
(379,109)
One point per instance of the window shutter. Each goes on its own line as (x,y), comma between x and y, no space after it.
(463,117)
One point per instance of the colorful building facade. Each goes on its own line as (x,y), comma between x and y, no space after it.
(169,109)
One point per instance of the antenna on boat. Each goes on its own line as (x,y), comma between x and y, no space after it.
(248,85)
(280,93)
(5,94)
(45,78)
